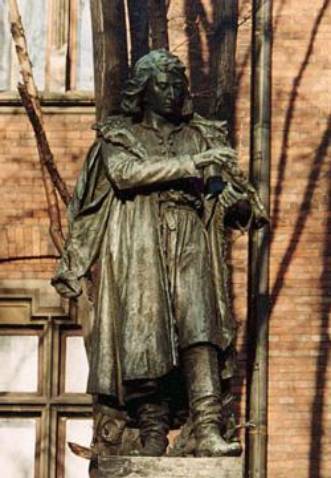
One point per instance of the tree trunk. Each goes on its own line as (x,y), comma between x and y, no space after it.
(110,54)
(158,23)
(139,30)
(223,60)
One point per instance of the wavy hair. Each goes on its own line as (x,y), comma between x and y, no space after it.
(147,66)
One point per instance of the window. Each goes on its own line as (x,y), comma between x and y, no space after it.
(43,404)
(59,38)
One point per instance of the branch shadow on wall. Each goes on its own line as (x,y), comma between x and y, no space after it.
(324,345)
(316,427)
(320,154)
(323,349)
(291,109)
(303,214)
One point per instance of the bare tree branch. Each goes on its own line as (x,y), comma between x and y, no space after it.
(30,99)
(55,228)
(29,85)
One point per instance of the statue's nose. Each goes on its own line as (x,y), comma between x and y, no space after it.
(171,92)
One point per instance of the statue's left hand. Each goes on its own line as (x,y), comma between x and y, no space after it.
(237,208)
(231,195)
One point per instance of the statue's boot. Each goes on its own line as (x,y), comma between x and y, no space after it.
(204,392)
(153,420)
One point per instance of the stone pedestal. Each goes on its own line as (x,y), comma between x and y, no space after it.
(141,467)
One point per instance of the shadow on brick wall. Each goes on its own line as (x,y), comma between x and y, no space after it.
(316,433)
(316,428)
(290,113)
(324,346)
(318,404)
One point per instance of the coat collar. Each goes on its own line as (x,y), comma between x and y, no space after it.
(149,122)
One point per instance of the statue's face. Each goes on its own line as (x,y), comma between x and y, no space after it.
(165,94)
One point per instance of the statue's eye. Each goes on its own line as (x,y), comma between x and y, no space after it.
(178,86)
(163,85)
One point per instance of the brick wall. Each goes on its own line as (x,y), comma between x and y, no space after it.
(299,381)
(24,220)
(299,391)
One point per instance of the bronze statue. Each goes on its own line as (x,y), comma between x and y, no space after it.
(148,225)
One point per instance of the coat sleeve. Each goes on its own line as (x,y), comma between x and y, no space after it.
(127,171)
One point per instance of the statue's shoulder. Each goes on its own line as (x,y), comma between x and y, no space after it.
(121,132)
(112,126)
(209,128)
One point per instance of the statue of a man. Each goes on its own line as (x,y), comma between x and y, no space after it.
(149,216)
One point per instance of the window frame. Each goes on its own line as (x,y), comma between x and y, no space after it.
(67,11)
(29,412)
(49,404)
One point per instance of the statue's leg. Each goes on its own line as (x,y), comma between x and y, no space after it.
(153,421)
(152,416)
(202,375)
(151,412)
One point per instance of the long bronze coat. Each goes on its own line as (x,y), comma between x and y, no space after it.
(140,214)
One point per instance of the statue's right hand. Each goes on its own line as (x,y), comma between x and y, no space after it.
(67,287)
(215,156)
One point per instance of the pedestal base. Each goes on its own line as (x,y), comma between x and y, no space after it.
(143,467)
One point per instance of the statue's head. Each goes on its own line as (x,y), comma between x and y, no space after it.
(158,84)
